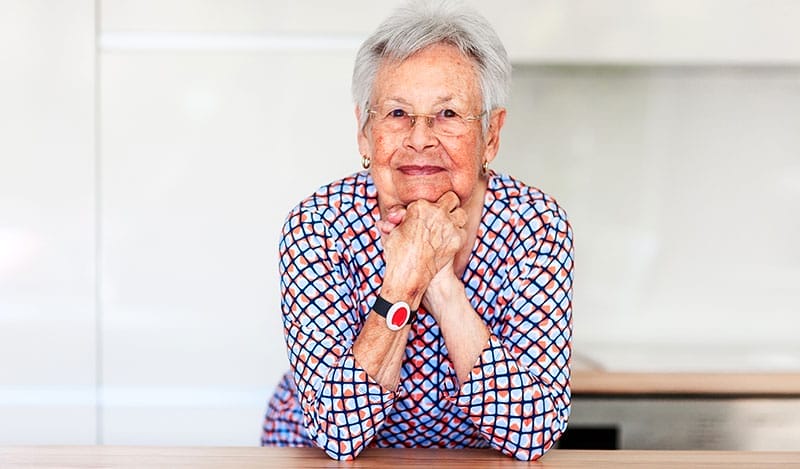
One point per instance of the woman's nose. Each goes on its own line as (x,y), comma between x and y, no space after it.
(421,134)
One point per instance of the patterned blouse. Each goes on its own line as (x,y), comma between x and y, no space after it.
(519,279)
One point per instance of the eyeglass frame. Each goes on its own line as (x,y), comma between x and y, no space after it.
(430,118)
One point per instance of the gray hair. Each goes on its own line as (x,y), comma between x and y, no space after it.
(420,24)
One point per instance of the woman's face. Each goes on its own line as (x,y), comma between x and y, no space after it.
(419,163)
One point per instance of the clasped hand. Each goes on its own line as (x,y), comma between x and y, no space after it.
(420,243)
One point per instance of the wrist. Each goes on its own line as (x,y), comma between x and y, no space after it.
(409,291)
(444,287)
(445,293)
(396,314)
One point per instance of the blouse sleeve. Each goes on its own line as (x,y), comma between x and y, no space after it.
(343,407)
(518,392)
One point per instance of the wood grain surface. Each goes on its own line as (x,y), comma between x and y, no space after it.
(290,458)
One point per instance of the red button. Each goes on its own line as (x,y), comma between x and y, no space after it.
(400,317)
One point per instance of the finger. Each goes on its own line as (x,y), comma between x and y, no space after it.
(459,217)
(457,240)
(462,239)
(449,200)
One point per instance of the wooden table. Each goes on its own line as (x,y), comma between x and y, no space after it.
(289,458)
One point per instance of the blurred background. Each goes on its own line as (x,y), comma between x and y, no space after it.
(150,150)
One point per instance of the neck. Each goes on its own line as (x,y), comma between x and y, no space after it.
(474,209)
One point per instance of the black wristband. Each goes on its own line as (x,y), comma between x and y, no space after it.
(397,314)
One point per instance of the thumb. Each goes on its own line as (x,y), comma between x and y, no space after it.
(385,227)
(396,215)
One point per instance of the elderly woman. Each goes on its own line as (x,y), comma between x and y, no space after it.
(427,299)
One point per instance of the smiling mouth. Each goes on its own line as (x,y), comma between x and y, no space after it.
(413,170)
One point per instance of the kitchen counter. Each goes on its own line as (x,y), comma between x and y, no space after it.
(683,397)
(728,370)
(761,384)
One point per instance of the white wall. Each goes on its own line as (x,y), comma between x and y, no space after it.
(143,184)
(683,186)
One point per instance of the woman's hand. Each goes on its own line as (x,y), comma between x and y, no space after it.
(419,242)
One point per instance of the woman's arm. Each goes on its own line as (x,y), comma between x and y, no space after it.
(515,383)
(343,406)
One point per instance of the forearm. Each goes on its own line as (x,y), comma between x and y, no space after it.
(464,332)
(343,407)
(380,351)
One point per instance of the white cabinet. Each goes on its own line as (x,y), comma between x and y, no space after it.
(47,222)
(685,32)
(203,156)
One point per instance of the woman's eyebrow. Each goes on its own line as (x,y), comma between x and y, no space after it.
(396,99)
(440,100)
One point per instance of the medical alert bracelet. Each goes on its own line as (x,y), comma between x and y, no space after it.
(397,314)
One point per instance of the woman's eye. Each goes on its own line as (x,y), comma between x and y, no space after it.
(397,113)
(448,113)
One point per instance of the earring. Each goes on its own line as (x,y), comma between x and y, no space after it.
(365,161)
(485,167)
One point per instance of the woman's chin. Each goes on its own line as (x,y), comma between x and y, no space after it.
(428,192)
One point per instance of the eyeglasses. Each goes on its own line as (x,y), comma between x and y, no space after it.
(447,122)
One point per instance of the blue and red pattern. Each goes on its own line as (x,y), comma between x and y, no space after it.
(519,280)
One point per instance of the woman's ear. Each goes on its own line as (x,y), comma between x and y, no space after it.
(361,136)
(497,118)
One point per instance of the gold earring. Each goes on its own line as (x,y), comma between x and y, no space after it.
(365,161)
(485,167)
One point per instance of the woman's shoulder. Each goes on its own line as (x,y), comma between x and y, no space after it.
(522,199)
(350,197)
